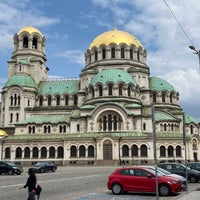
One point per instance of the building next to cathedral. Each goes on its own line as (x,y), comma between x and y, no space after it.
(114,112)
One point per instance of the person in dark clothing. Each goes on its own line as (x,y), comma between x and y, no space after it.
(31,184)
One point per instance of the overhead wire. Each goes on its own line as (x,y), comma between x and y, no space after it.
(177,21)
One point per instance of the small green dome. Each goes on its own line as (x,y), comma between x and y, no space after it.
(159,84)
(189,119)
(22,80)
(114,76)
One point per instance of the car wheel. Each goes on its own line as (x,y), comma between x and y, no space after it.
(10,172)
(18,172)
(117,188)
(192,179)
(53,170)
(42,170)
(164,190)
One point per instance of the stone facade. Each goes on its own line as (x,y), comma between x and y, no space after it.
(109,115)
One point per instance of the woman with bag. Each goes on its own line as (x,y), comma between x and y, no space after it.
(31,184)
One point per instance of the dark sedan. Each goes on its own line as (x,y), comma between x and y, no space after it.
(180,169)
(8,167)
(41,167)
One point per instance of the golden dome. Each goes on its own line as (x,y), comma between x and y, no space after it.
(3,133)
(116,37)
(30,29)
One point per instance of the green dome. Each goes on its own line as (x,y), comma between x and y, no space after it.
(22,80)
(159,84)
(189,119)
(114,76)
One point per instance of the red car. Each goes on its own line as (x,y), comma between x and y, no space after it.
(141,179)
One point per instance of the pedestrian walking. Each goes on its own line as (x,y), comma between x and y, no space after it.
(31,184)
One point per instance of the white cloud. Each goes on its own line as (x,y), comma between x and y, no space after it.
(74,56)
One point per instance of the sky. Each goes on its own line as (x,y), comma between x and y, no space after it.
(165,28)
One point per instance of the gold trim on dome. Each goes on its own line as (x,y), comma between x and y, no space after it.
(30,29)
(3,133)
(117,37)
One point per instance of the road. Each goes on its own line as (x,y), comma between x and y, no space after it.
(72,183)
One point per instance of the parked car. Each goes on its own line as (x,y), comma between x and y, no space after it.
(141,179)
(167,173)
(8,167)
(194,165)
(180,169)
(41,167)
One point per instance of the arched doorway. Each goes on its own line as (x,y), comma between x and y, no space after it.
(107,150)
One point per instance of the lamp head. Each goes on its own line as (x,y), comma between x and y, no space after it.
(192,47)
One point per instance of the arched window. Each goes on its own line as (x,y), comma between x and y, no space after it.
(47,129)
(171,98)
(109,122)
(18,99)
(34,46)
(35,152)
(138,56)
(113,53)
(104,123)
(41,101)
(82,151)
(144,126)
(154,98)
(131,53)
(60,152)
(163,97)
(52,152)
(178,151)
(110,90)
(191,129)
(91,151)
(27,152)
(11,100)
(170,151)
(92,91)
(7,153)
(57,100)
(103,54)
(49,100)
(122,53)
(120,90)
(73,151)
(134,151)
(75,100)
(66,100)
(25,42)
(143,150)
(129,90)
(100,91)
(96,55)
(18,153)
(43,152)
(125,151)
(115,121)
(165,127)
(162,151)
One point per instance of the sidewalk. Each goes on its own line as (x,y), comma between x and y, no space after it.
(190,195)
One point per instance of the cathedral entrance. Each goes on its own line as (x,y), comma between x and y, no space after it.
(107,150)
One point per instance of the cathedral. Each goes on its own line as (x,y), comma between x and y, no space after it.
(114,113)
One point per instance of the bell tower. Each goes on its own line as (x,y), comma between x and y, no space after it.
(29,56)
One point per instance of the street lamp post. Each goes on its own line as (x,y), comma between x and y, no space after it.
(196,52)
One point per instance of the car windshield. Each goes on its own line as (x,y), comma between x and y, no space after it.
(160,170)
(39,164)
(153,171)
(11,163)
